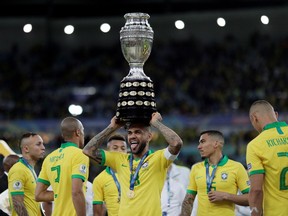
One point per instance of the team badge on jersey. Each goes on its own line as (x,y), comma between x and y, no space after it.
(83,168)
(145,165)
(17,185)
(224,176)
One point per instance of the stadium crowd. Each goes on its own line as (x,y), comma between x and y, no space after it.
(204,79)
(218,77)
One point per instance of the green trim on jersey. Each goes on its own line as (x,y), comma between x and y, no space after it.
(43,181)
(98,202)
(245,191)
(108,171)
(68,144)
(275,125)
(256,172)
(103,157)
(192,192)
(17,193)
(78,176)
(222,162)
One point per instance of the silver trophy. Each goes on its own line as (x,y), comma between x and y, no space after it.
(136,101)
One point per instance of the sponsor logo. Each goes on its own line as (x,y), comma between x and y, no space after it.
(249,166)
(123,165)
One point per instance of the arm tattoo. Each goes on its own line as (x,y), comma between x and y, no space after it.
(19,207)
(187,205)
(172,138)
(92,148)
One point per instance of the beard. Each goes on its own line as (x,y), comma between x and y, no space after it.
(141,148)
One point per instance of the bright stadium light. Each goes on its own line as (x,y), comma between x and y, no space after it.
(75,110)
(264,19)
(179,24)
(27,28)
(69,29)
(221,22)
(105,27)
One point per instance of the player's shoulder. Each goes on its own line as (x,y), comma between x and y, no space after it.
(235,163)
(197,165)
(101,176)
(16,167)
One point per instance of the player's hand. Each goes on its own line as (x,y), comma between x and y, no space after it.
(115,123)
(216,196)
(156,116)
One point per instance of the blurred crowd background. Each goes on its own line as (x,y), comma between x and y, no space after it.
(198,84)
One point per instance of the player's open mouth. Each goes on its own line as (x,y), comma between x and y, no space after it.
(133,145)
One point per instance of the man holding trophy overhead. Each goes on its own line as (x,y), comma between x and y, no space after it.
(142,172)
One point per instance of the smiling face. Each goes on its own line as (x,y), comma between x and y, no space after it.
(138,138)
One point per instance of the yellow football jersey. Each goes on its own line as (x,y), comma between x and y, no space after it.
(22,181)
(268,154)
(148,185)
(105,190)
(58,170)
(229,177)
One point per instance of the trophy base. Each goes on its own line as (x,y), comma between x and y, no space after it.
(135,115)
(136,101)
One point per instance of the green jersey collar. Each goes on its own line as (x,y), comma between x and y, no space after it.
(222,162)
(68,144)
(274,125)
(108,170)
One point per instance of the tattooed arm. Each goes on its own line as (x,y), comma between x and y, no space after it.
(18,205)
(174,141)
(92,148)
(187,205)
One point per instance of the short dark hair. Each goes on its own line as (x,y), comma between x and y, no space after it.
(214,133)
(116,137)
(24,136)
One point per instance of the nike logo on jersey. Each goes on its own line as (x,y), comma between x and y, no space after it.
(123,165)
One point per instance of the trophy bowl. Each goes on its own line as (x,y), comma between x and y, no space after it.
(136,101)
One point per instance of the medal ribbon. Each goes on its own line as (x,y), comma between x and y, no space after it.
(209,178)
(133,179)
(116,182)
(34,175)
(168,188)
(29,167)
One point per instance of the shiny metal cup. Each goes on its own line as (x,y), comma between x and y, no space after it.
(136,101)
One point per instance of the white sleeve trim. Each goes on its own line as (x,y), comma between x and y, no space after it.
(169,156)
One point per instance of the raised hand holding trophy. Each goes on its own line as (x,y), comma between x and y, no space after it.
(136,101)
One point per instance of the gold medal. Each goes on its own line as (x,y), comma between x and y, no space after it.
(130,194)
